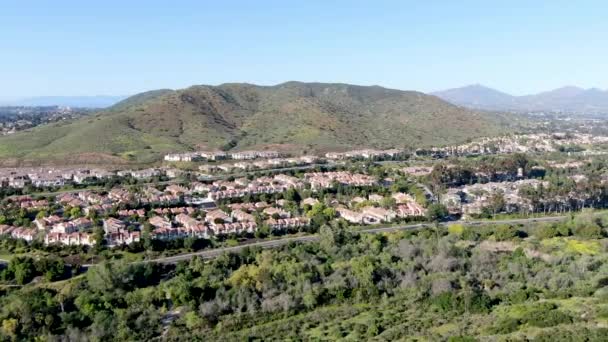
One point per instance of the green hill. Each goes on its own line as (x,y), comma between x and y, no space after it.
(294,116)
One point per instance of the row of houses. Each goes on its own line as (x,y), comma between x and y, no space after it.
(365,154)
(518,143)
(262,185)
(375,215)
(323,180)
(69,239)
(48,176)
(404,206)
(219,155)
(26,234)
(218,222)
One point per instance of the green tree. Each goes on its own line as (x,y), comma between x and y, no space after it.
(292,195)
(9,328)
(23,269)
(41,214)
(437,212)
(75,212)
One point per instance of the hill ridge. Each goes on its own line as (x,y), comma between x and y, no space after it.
(293,116)
(565,99)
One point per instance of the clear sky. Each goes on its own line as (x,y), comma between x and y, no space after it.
(124,47)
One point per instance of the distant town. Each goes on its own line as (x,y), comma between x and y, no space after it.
(15,119)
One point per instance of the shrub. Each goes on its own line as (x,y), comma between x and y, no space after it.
(505,325)
(502,233)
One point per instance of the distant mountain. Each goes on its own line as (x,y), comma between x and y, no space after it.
(101,101)
(566,99)
(477,96)
(293,116)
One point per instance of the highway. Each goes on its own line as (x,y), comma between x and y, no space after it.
(212,253)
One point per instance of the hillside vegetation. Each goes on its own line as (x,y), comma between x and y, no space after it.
(298,117)
(492,283)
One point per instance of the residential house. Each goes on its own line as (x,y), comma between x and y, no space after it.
(373,215)
(272,211)
(160,222)
(112,225)
(350,215)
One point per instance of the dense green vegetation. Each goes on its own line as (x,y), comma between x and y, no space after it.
(457,284)
(300,117)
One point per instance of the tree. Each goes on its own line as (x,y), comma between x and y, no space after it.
(330,213)
(51,268)
(92,215)
(263,231)
(388,202)
(23,269)
(99,237)
(75,212)
(292,195)
(327,238)
(437,212)
(41,214)
(497,202)
(9,328)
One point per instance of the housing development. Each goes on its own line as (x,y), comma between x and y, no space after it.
(222,207)
(219,194)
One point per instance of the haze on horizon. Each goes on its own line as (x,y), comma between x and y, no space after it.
(110,48)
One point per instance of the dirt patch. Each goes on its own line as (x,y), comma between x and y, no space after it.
(507,246)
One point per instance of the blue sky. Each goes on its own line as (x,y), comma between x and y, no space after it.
(124,47)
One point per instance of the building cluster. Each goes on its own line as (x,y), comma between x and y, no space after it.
(48,176)
(216,222)
(364,154)
(405,206)
(521,143)
(27,234)
(18,118)
(472,199)
(140,174)
(568,165)
(323,180)
(219,155)
(265,164)
(279,183)
(175,210)
(275,163)
(18,178)
(242,187)
(417,171)
(27,202)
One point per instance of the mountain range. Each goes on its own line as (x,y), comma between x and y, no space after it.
(568,99)
(294,116)
(99,101)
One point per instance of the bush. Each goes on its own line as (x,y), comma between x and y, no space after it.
(502,233)
(588,231)
(505,325)
(544,319)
